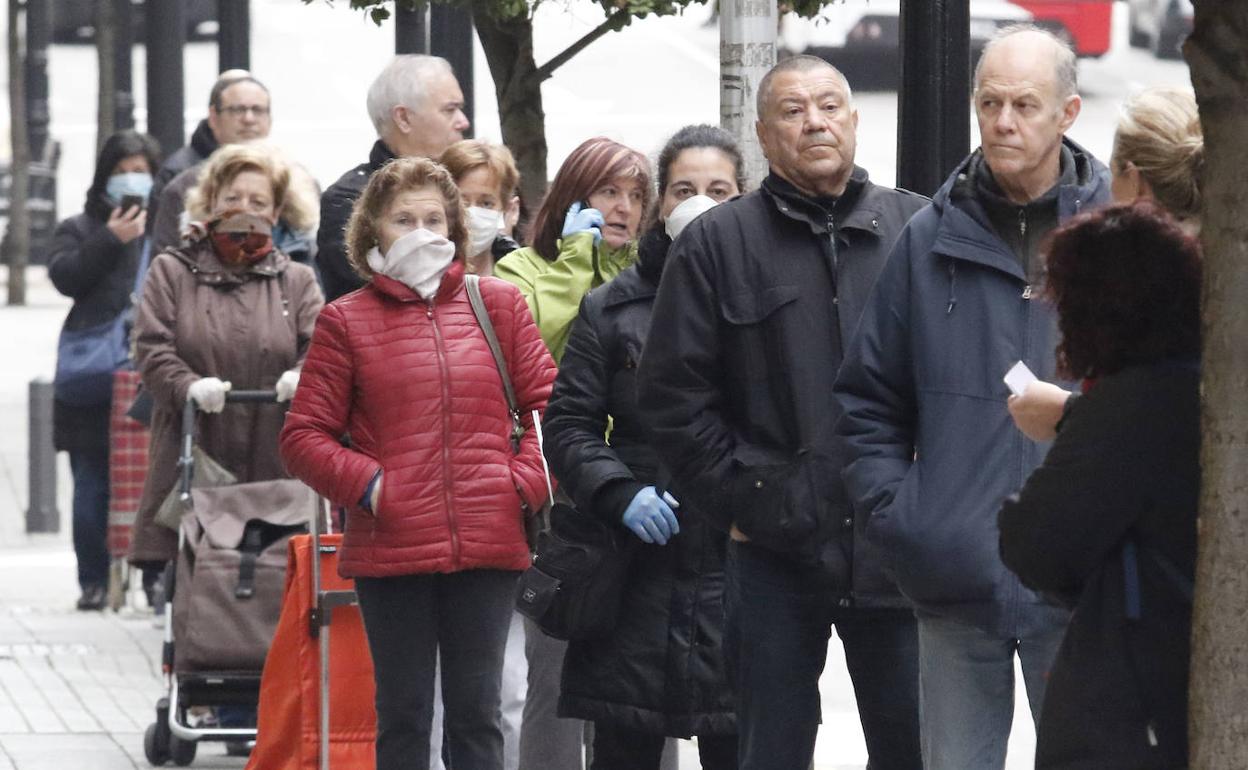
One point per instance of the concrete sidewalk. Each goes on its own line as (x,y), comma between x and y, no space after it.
(77,690)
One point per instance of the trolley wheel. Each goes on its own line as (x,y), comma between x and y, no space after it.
(183,752)
(155,746)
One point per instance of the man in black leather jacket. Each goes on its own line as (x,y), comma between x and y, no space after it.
(759,298)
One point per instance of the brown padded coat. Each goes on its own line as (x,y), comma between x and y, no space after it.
(199,319)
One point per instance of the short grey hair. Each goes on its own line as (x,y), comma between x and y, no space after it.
(1065,64)
(403,83)
(800,63)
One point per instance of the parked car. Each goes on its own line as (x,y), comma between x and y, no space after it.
(73,21)
(864,39)
(1161,25)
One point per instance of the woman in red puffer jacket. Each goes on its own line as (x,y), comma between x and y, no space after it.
(433,488)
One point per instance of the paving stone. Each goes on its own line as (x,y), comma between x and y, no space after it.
(95,751)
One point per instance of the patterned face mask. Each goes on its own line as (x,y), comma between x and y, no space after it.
(240,238)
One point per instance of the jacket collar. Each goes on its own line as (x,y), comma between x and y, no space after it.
(203,141)
(855,209)
(379,156)
(208,269)
(452,281)
(965,231)
(641,281)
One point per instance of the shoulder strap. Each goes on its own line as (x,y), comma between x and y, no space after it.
(473,285)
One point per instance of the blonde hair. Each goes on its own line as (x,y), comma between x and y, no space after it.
(1159,133)
(294,204)
(399,176)
(470,154)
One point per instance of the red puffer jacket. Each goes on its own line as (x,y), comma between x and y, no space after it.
(416,388)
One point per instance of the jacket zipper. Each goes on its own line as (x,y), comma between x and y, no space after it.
(836,259)
(446,434)
(1022,234)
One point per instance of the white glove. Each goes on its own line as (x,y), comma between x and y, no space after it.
(286,385)
(209,394)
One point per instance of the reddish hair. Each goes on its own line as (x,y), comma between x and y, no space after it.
(1126,282)
(591,165)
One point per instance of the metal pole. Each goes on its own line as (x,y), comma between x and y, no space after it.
(233,35)
(42,515)
(411,30)
(166,102)
(934,99)
(38,38)
(123,69)
(747,49)
(452,38)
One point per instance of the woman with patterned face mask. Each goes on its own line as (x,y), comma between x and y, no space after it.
(486,176)
(625,682)
(436,480)
(93,259)
(225,310)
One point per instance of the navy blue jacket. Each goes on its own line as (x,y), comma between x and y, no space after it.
(932,449)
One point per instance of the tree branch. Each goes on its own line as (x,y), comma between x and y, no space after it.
(615,21)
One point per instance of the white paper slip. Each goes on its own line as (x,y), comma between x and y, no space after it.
(1018,378)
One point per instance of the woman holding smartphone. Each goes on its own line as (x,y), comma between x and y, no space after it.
(93,260)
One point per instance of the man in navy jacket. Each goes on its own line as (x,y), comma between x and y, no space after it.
(932,449)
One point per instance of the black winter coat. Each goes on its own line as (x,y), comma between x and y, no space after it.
(88,264)
(760,298)
(339,198)
(1125,467)
(662,670)
(203,143)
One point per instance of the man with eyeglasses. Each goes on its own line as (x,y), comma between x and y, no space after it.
(238,112)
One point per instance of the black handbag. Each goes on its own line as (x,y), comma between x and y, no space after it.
(86,360)
(576,584)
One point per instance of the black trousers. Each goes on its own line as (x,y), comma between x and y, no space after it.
(410,619)
(616,748)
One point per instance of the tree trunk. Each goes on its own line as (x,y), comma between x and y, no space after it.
(19,186)
(1218,54)
(106,55)
(508,46)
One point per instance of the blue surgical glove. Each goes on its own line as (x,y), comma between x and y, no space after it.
(650,516)
(583,220)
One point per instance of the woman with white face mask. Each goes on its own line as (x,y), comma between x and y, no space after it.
(625,683)
(434,486)
(93,258)
(487,179)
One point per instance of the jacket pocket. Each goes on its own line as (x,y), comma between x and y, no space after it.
(756,336)
(778,504)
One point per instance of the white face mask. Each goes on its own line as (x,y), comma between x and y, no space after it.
(418,260)
(688,210)
(484,225)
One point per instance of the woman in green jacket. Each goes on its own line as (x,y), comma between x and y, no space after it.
(584,234)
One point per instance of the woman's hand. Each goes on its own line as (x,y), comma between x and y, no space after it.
(286,385)
(650,516)
(583,220)
(128,225)
(1038,410)
(208,393)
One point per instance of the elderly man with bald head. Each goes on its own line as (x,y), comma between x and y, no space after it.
(932,451)
(759,298)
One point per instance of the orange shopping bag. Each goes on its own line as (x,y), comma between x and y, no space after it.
(289,718)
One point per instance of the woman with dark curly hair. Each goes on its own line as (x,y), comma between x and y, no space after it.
(1108,523)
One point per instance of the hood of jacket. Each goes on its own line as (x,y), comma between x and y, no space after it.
(966,231)
(203,141)
(203,262)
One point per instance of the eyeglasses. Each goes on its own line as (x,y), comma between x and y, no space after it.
(239,110)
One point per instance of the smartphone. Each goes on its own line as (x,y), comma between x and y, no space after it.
(130,201)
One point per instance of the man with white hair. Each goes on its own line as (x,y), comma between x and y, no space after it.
(932,451)
(417,108)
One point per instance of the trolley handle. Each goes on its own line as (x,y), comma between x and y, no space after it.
(186,461)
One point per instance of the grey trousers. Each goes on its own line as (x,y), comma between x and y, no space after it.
(546,741)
